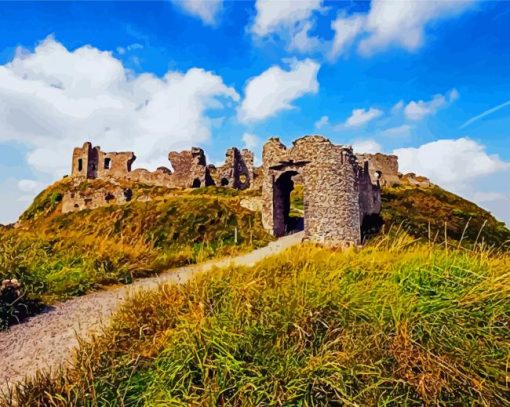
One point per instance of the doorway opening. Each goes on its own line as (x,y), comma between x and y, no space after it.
(288,213)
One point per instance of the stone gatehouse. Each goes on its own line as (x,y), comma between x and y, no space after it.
(341,190)
(338,191)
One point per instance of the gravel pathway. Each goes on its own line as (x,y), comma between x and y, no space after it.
(47,340)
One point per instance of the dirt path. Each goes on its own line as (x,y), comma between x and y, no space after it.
(47,340)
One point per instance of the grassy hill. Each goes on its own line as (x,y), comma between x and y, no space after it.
(57,256)
(397,323)
(430,214)
(427,212)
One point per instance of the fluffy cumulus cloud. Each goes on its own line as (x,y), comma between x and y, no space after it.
(30,186)
(359,117)
(275,16)
(390,23)
(450,163)
(290,20)
(417,110)
(275,89)
(346,29)
(206,10)
(53,99)
(366,146)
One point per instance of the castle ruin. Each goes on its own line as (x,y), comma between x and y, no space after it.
(338,191)
(342,190)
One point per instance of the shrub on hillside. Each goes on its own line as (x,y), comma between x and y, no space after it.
(14,307)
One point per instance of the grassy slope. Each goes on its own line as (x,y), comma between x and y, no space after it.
(395,323)
(418,208)
(57,256)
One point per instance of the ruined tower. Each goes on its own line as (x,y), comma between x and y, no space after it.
(338,192)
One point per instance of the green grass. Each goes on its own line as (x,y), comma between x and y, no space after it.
(427,212)
(57,256)
(396,323)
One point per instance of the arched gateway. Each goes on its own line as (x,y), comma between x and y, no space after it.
(338,192)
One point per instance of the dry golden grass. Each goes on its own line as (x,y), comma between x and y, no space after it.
(396,323)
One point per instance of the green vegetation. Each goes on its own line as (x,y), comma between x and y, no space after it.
(396,323)
(427,212)
(57,256)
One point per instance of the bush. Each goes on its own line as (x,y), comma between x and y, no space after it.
(14,307)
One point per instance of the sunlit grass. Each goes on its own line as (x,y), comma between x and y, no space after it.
(395,323)
(58,256)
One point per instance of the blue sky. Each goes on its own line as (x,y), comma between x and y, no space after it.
(426,80)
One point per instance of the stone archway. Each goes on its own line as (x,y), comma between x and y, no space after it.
(337,190)
(283,222)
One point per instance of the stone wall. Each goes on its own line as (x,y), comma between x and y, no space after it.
(78,200)
(334,201)
(90,162)
(382,168)
(237,172)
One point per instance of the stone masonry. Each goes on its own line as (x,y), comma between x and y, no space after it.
(382,168)
(190,171)
(341,198)
(338,191)
(237,171)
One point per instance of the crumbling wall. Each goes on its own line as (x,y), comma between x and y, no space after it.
(78,200)
(190,168)
(161,177)
(84,162)
(114,165)
(237,172)
(382,168)
(333,204)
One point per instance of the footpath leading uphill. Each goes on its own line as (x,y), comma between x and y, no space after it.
(47,341)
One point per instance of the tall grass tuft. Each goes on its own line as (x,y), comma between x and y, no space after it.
(398,322)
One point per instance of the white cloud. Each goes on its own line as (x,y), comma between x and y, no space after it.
(274,16)
(302,41)
(399,131)
(30,185)
(391,23)
(206,10)
(366,146)
(323,121)
(403,23)
(450,163)
(290,21)
(275,89)
(417,110)
(360,117)
(397,107)
(251,141)
(52,100)
(346,31)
